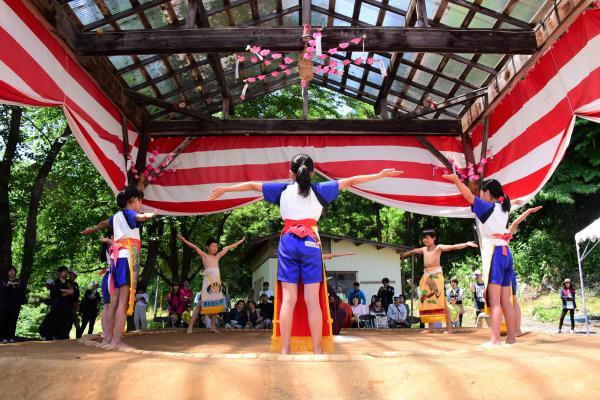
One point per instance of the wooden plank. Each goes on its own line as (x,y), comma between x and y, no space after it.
(190,20)
(443,127)
(446,104)
(168,106)
(435,152)
(211,40)
(557,22)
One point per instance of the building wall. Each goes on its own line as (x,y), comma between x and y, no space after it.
(266,272)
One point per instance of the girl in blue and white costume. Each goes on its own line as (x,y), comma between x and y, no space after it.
(491,209)
(299,252)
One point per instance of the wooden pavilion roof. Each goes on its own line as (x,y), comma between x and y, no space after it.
(169,64)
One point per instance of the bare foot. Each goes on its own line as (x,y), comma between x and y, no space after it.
(425,331)
(190,331)
(448,332)
(489,345)
(106,341)
(215,330)
(513,341)
(122,345)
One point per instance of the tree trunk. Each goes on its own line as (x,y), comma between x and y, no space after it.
(13,139)
(37,190)
(377,207)
(188,252)
(173,261)
(154,233)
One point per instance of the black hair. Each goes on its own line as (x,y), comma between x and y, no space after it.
(432,233)
(240,301)
(356,284)
(266,283)
(210,241)
(495,189)
(11,268)
(128,194)
(385,280)
(454,279)
(302,166)
(121,203)
(357,298)
(61,269)
(251,302)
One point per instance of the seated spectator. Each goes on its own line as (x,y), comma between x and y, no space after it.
(267,309)
(238,318)
(358,309)
(348,311)
(386,293)
(380,315)
(340,294)
(373,301)
(403,302)
(398,314)
(356,292)
(255,316)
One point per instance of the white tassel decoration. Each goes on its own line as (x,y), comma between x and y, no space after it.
(243,95)
(237,68)
(382,68)
(319,49)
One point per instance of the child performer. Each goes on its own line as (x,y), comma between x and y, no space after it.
(105,273)
(491,209)
(432,300)
(300,276)
(212,300)
(124,259)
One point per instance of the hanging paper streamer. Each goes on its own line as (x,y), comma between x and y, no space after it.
(319,48)
(382,68)
(243,95)
(237,68)
(255,50)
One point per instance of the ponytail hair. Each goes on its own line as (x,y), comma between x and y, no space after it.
(302,166)
(495,189)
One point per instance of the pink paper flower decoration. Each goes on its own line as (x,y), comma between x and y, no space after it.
(241,58)
(307,56)
(155,152)
(318,69)
(255,49)
(312,42)
(340,72)
(343,45)
(267,62)
(283,66)
(317,34)
(333,50)
(287,71)
(346,62)
(356,40)
(151,159)
(251,80)
(333,63)
(276,56)
(324,56)
(288,60)
(325,70)
(274,73)
(370,60)
(310,49)
(358,61)
(261,77)
(264,52)
(254,59)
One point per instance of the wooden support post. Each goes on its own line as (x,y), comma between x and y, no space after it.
(140,162)
(190,21)
(436,153)
(484,143)
(184,143)
(422,21)
(226,108)
(126,150)
(469,159)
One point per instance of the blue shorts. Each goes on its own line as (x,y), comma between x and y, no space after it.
(120,273)
(501,270)
(104,287)
(300,260)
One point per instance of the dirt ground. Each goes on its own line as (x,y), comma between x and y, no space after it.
(401,364)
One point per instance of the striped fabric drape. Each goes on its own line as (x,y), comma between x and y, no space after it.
(529,131)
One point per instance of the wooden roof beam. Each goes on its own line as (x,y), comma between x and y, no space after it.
(439,127)
(215,40)
(168,106)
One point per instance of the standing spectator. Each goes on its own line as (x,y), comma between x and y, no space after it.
(567,295)
(238,318)
(176,307)
(398,314)
(227,299)
(341,295)
(139,310)
(12,297)
(356,292)
(478,290)
(267,309)
(61,310)
(386,293)
(186,294)
(374,299)
(455,296)
(358,310)
(76,304)
(379,313)
(266,290)
(89,309)
(255,316)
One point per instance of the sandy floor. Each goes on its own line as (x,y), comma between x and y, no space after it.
(417,366)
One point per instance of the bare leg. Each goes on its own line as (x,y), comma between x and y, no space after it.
(508,310)
(213,324)
(449,327)
(120,305)
(495,313)
(104,321)
(194,318)
(315,316)
(288,303)
(517,308)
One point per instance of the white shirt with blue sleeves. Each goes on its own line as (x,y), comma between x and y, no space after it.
(294,206)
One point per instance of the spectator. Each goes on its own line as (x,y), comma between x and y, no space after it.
(255,316)
(176,306)
(12,296)
(403,302)
(358,310)
(356,292)
(89,309)
(76,304)
(373,301)
(348,311)
(238,318)
(186,294)
(386,293)
(379,313)
(227,299)
(398,314)
(567,295)
(341,295)
(266,290)
(338,315)
(478,290)
(455,296)
(139,310)
(61,309)
(267,309)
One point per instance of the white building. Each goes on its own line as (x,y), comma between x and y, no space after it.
(371,262)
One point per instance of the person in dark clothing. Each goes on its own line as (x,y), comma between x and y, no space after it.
(238,317)
(61,309)
(76,304)
(13,296)
(255,316)
(89,309)
(267,309)
(567,295)
(338,315)
(386,293)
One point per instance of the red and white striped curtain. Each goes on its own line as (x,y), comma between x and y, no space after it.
(529,131)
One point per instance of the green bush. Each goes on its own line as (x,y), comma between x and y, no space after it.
(546,314)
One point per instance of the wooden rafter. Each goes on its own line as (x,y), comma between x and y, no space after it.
(168,106)
(500,17)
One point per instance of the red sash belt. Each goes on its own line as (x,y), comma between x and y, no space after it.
(122,244)
(301,228)
(504,236)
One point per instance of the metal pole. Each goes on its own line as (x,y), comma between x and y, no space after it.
(579,262)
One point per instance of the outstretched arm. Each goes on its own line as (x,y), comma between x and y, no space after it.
(101,225)
(345,183)
(513,227)
(462,188)
(412,252)
(219,191)
(459,246)
(333,255)
(192,245)
(231,246)
(145,216)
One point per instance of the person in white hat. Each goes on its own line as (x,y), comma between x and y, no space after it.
(478,290)
(567,295)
